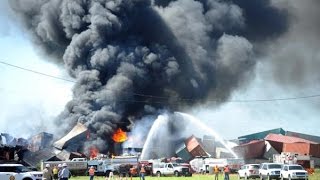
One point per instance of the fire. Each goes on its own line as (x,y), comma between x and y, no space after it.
(94,151)
(119,136)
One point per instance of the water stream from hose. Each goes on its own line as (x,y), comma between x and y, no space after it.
(163,120)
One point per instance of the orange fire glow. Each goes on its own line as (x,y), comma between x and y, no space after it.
(119,136)
(94,151)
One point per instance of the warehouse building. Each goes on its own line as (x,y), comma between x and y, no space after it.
(261,146)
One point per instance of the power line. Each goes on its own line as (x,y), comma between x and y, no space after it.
(167,98)
(277,99)
(43,74)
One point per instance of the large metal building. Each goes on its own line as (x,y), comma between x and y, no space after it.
(255,146)
(259,135)
(293,144)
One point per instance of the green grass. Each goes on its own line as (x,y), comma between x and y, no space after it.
(315,176)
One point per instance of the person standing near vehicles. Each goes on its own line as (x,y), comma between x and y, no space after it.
(55,171)
(64,173)
(59,170)
(142,172)
(91,172)
(47,173)
(216,172)
(226,172)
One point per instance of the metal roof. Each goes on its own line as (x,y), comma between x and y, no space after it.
(64,155)
(304,136)
(287,139)
(33,158)
(78,130)
(260,135)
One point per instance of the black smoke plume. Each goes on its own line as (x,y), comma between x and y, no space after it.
(131,58)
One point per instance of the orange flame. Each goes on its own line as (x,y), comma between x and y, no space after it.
(94,151)
(119,136)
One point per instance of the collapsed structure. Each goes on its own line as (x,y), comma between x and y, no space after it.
(272,145)
(11,148)
(42,147)
(267,145)
(71,140)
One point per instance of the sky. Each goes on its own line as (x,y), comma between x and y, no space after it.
(29,101)
(288,67)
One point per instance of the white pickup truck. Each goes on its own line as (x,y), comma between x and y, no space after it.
(169,169)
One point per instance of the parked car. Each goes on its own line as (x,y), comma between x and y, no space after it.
(249,171)
(18,172)
(270,171)
(293,171)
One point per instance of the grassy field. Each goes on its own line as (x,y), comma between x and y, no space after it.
(315,176)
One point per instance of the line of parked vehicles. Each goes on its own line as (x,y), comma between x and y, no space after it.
(124,166)
(272,171)
(262,171)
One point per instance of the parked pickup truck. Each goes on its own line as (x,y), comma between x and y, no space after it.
(169,169)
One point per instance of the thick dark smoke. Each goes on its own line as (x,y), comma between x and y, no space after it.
(294,58)
(255,20)
(131,58)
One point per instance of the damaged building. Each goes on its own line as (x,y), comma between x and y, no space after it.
(254,148)
(74,139)
(41,147)
(11,149)
(194,147)
(40,141)
(262,146)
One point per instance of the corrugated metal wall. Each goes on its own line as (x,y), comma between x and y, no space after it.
(315,150)
(209,145)
(301,148)
(195,147)
(251,150)
(198,151)
(191,143)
